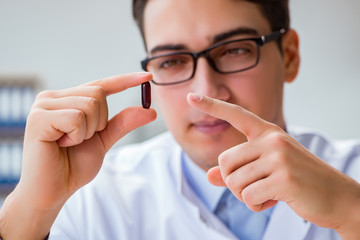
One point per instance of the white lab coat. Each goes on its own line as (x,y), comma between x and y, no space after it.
(140,193)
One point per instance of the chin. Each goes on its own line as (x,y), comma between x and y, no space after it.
(205,148)
(205,153)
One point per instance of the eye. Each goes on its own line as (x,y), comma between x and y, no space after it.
(174,62)
(170,63)
(235,51)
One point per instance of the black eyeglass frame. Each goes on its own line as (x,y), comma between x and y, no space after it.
(260,41)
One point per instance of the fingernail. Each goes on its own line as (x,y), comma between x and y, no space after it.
(195,97)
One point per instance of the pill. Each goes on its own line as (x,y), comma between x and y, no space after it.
(146,94)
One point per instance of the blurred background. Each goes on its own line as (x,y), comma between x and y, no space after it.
(60,44)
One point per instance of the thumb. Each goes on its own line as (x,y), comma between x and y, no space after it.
(215,178)
(124,122)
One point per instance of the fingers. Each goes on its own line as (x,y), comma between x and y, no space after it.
(243,168)
(215,178)
(67,133)
(255,188)
(94,109)
(74,127)
(109,85)
(247,175)
(237,157)
(124,122)
(120,83)
(90,100)
(240,169)
(260,195)
(244,121)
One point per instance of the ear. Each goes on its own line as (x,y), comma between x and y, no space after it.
(291,54)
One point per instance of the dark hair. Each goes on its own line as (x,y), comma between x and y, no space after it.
(275,11)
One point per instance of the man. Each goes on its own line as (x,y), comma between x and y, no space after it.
(210,61)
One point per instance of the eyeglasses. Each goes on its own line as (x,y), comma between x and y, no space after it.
(226,57)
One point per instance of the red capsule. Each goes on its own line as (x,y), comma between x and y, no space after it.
(146,94)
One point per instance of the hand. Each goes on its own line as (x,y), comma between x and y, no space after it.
(68,134)
(66,138)
(272,166)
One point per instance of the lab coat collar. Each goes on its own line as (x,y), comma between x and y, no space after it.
(197,180)
(217,230)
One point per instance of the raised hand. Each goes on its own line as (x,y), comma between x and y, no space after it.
(66,138)
(68,134)
(272,166)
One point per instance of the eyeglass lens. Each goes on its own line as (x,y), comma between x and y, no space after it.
(230,57)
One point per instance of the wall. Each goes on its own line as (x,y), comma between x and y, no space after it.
(326,94)
(68,43)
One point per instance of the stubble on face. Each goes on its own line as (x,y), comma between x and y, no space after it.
(165,25)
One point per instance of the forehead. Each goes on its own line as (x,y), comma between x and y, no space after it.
(196,22)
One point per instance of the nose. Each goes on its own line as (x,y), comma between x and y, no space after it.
(208,82)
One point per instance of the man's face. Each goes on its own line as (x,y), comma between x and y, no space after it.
(196,25)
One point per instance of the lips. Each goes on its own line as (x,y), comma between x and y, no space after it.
(211,126)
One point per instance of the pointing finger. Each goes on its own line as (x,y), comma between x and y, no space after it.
(244,121)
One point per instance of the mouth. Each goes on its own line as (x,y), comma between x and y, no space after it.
(213,127)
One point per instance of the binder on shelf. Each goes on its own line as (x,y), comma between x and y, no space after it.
(10,165)
(15,103)
(17,94)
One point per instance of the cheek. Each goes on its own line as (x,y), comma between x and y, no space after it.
(172,105)
(259,90)
(268,90)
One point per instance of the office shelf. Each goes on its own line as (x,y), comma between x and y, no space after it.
(17,93)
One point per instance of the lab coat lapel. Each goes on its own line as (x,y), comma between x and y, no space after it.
(284,224)
(213,227)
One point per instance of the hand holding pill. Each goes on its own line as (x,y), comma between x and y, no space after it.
(67,136)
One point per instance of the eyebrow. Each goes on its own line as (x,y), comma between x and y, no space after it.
(217,38)
(234,32)
(168,47)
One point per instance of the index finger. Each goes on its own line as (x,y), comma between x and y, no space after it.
(246,122)
(119,83)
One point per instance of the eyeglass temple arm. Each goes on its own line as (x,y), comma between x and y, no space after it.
(272,36)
